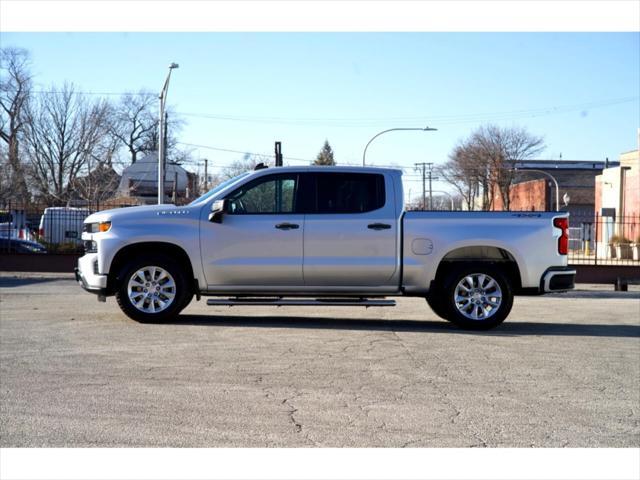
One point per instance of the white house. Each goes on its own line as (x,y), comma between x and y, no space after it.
(140,180)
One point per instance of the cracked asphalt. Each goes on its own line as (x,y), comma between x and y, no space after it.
(562,371)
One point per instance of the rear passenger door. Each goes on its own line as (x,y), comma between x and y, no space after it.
(350,230)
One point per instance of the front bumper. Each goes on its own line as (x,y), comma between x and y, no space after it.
(87,277)
(558,279)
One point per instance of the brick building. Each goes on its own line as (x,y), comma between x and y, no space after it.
(617,199)
(533,190)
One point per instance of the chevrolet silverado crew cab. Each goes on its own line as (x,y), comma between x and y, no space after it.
(321,236)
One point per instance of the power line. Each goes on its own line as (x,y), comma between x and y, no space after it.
(219,149)
(77,92)
(361,122)
(245,152)
(441,119)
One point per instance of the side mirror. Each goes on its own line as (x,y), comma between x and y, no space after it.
(217,210)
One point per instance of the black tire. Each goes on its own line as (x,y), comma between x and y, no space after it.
(187,300)
(182,293)
(435,300)
(459,313)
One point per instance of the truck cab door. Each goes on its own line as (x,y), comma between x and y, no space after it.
(259,240)
(351,231)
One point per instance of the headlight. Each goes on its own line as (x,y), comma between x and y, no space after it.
(97,227)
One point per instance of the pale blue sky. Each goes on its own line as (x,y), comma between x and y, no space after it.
(303,88)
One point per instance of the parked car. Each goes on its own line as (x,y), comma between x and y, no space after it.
(12,245)
(321,236)
(62,225)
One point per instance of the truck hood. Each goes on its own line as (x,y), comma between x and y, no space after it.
(140,212)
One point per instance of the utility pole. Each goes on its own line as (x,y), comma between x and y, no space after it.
(175,187)
(164,151)
(427,172)
(431,177)
(206,175)
(424,198)
(278,154)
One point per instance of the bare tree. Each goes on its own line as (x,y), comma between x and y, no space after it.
(484,163)
(15,90)
(248,163)
(519,145)
(98,185)
(500,149)
(64,132)
(462,173)
(439,202)
(101,180)
(135,125)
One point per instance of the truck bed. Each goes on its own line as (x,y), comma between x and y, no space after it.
(430,237)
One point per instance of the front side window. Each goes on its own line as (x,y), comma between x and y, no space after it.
(273,194)
(218,188)
(349,192)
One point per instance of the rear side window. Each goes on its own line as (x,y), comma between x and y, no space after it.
(348,192)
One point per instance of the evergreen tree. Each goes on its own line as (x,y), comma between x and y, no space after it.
(325,157)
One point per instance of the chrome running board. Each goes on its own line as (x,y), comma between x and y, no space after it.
(297,302)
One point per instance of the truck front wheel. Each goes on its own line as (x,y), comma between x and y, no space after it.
(477,296)
(153,288)
(435,300)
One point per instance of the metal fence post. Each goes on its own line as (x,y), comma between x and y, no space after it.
(595,257)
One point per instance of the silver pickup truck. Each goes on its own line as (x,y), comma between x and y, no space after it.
(321,236)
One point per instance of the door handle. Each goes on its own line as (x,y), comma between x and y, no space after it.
(287,226)
(379,226)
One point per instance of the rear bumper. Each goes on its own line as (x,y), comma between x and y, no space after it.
(558,279)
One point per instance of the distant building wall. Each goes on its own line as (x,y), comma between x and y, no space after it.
(631,206)
(576,179)
(598,195)
(526,196)
(617,200)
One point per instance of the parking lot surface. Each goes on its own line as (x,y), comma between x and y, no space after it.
(562,371)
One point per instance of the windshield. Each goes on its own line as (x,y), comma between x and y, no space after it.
(219,188)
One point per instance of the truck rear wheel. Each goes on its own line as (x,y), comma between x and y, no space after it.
(477,296)
(153,288)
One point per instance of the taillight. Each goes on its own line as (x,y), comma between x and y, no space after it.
(563,241)
(41,232)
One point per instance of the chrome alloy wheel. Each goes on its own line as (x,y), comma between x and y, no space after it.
(151,289)
(478,296)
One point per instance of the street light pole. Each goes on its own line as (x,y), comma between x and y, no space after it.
(161,134)
(548,175)
(364,153)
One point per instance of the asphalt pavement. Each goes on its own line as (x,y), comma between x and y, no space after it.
(562,371)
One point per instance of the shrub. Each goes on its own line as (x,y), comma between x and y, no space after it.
(67,247)
(619,239)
